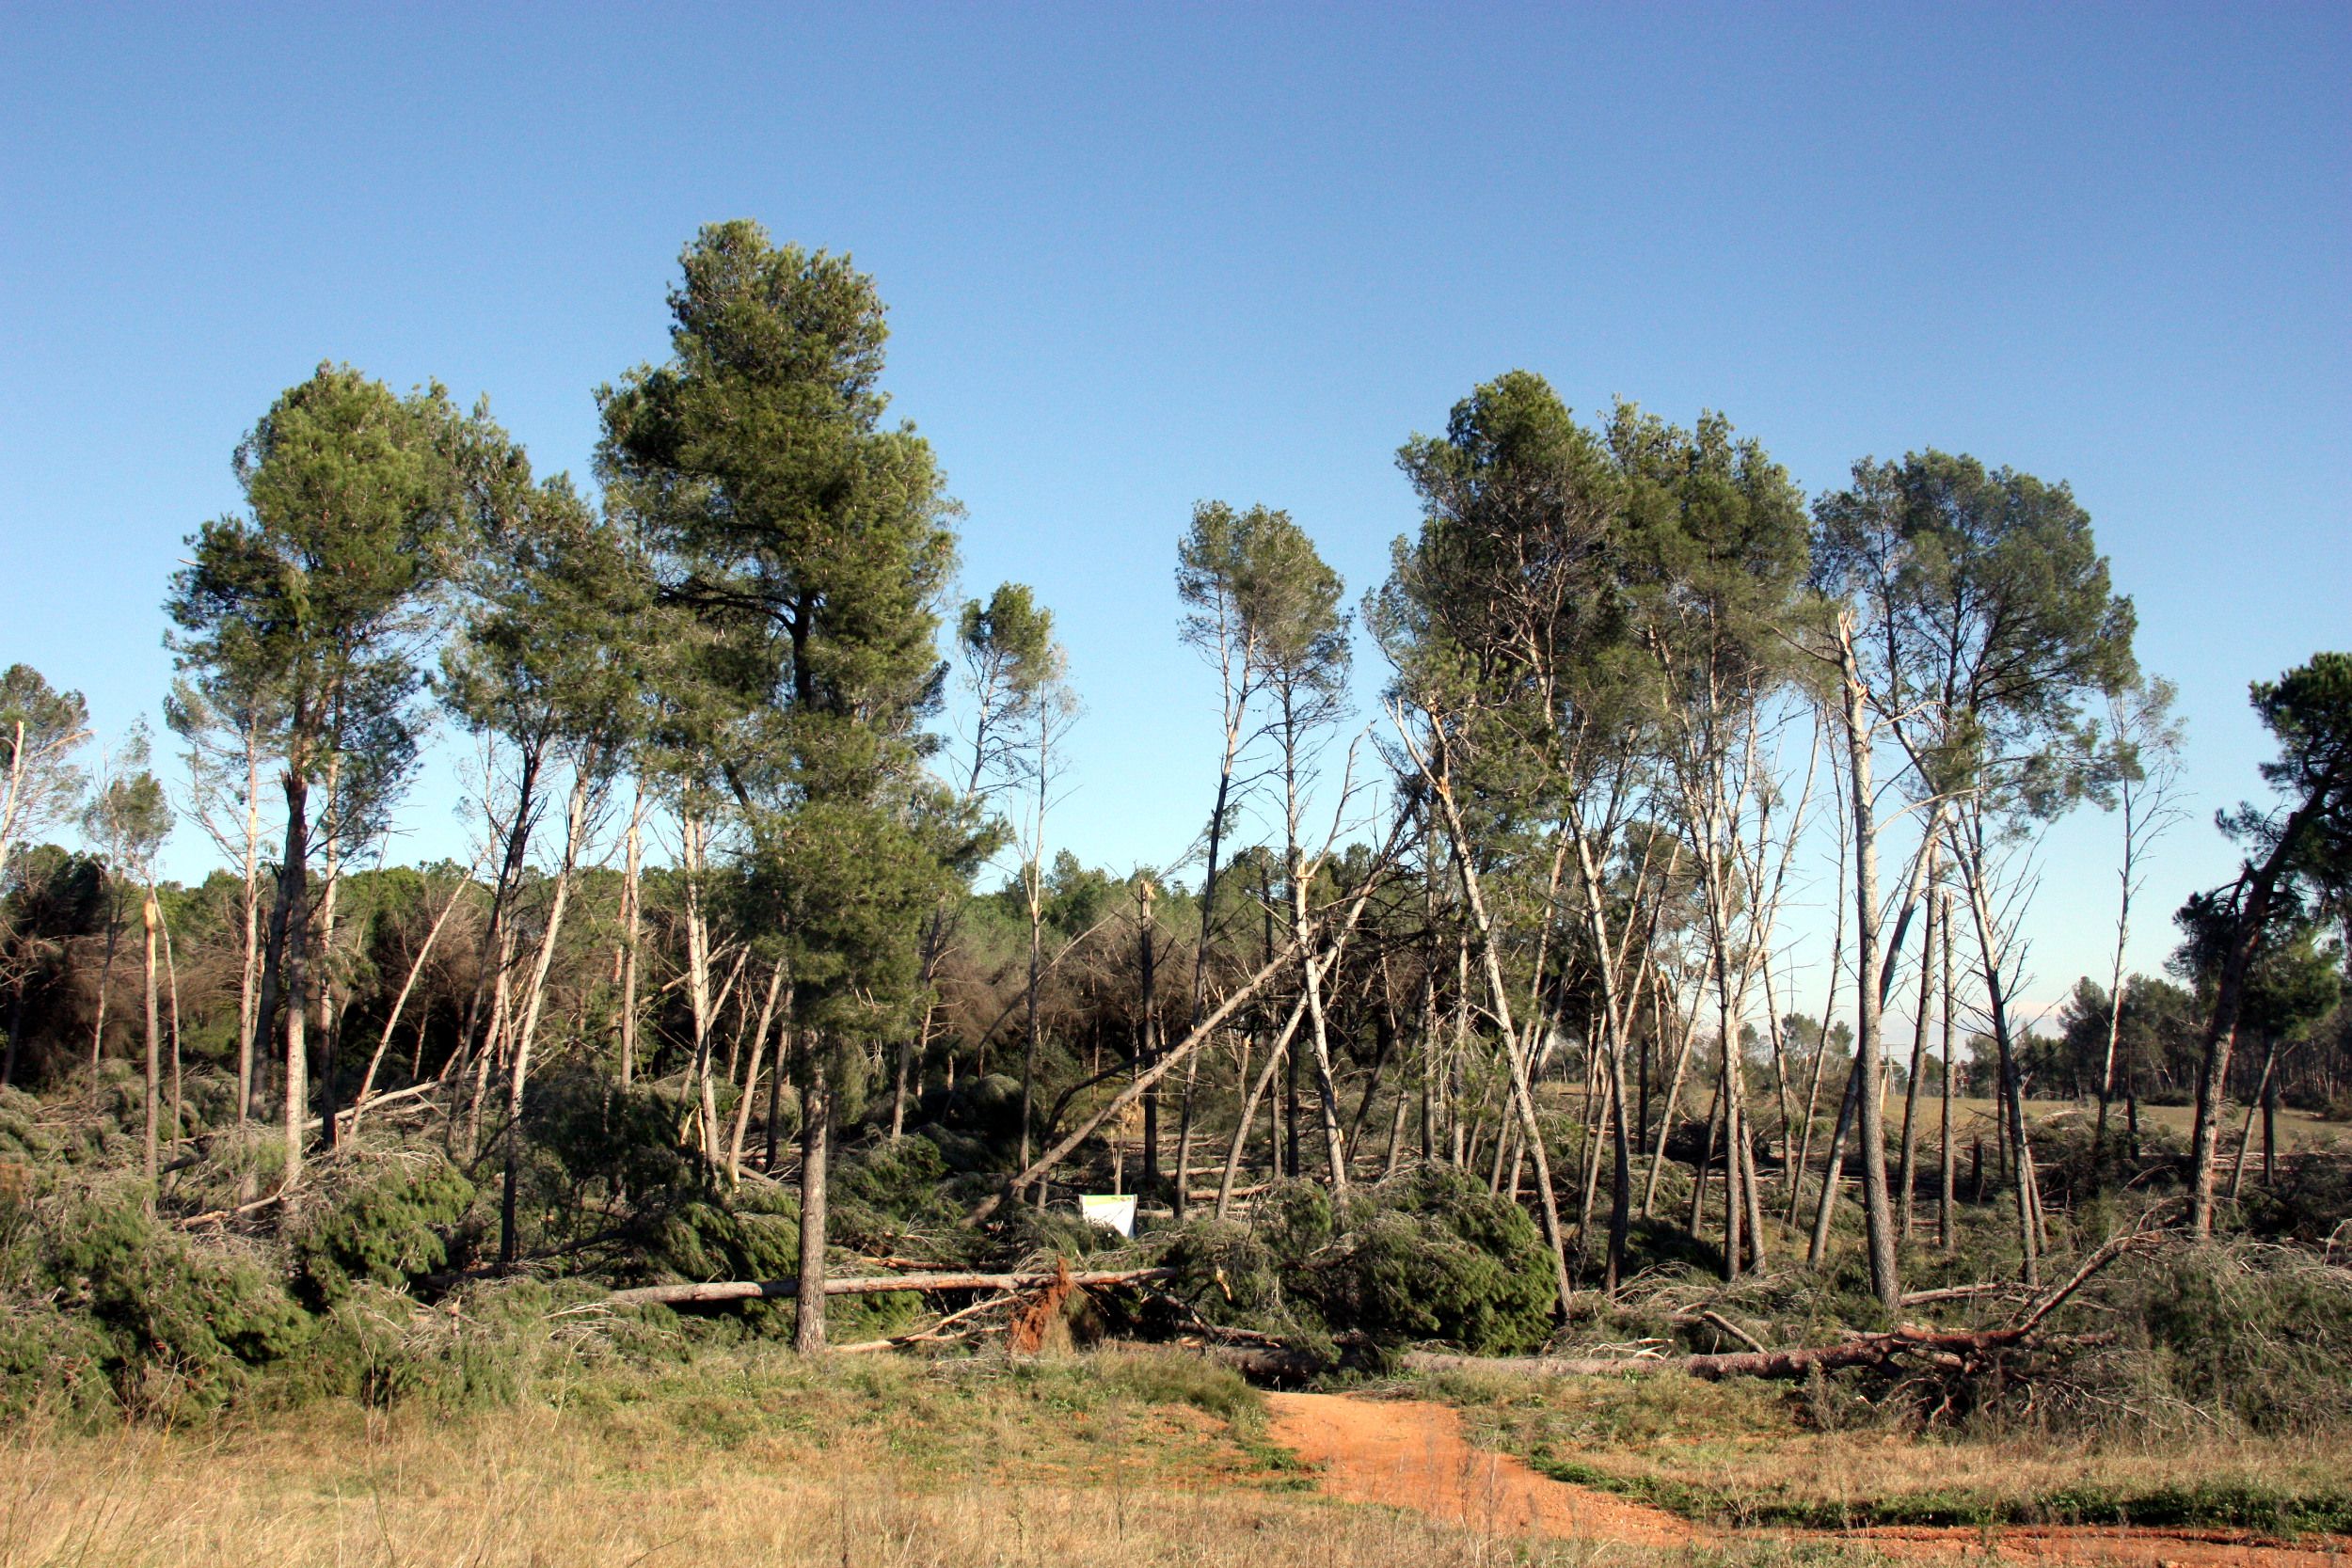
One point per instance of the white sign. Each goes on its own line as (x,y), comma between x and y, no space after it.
(1104,1209)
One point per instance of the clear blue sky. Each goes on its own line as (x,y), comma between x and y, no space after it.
(1140,255)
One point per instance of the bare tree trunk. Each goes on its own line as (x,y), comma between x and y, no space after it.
(808,1325)
(1147,1038)
(575,831)
(399,1001)
(1873,996)
(751,1076)
(1249,1109)
(171,973)
(150,917)
(631,915)
(249,959)
(1030,1031)
(105,979)
(1946,1233)
(1886,1278)
(2253,914)
(1688,1020)
(1514,1049)
(2011,1087)
(1905,1177)
(2263,1089)
(294,897)
(1820,1046)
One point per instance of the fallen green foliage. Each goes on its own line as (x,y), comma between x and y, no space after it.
(1428,1255)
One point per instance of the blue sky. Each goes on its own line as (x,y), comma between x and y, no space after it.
(1142,254)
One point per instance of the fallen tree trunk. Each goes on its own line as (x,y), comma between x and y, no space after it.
(770,1290)
(1863,1350)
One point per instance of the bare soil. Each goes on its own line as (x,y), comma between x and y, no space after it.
(1412,1454)
(1408,1454)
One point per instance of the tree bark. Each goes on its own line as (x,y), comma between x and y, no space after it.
(808,1321)
(1886,1277)
(293,898)
(150,917)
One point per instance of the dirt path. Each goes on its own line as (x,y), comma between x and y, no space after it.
(1411,1454)
(1408,1453)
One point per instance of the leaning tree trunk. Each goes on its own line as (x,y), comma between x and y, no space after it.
(1514,1048)
(751,1076)
(2253,914)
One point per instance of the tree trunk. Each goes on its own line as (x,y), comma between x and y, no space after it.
(1249,1110)
(1035,877)
(1514,1049)
(2011,1084)
(249,964)
(808,1321)
(2253,914)
(2254,1106)
(1905,1178)
(1946,1233)
(750,1077)
(171,974)
(150,917)
(293,898)
(1147,1039)
(106,980)
(1886,1278)
(631,914)
(1829,1005)
(575,831)
(399,1001)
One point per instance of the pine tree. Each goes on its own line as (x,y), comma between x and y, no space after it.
(810,543)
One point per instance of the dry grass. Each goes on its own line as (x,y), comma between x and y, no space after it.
(1741,1452)
(2297,1129)
(753,1458)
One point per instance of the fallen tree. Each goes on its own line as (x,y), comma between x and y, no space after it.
(718,1290)
(1861,1350)
(1950,1346)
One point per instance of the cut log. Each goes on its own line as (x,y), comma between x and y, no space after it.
(770,1290)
